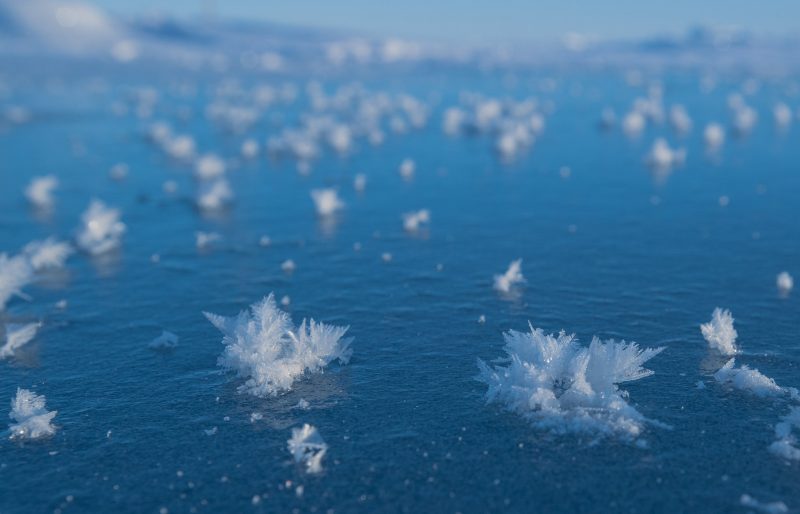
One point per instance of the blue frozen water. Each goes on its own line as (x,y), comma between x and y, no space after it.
(406,421)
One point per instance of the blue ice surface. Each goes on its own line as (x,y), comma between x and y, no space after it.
(406,422)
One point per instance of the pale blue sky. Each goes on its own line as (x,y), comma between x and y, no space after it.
(492,20)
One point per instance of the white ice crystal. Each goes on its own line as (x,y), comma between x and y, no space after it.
(16,337)
(101,230)
(33,420)
(785,444)
(748,379)
(326,201)
(785,282)
(719,332)
(40,191)
(512,276)
(214,195)
(209,166)
(412,220)
(714,136)
(561,386)
(49,253)
(263,347)
(15,273)
(166,341)
(307,446)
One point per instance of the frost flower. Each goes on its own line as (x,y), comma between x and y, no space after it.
(33,420)
(719,332)
(512,276)
(264,347)
(306,445)
(101,230)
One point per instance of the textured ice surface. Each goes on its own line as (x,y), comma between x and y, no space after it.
(748,379)
(263,347)
(563,387)
(326,201)
(16,337)
(307,446)
(33,420)
(40,191)
(719,332)
(48,253)
(101,230)
(785,444)
(511,277)
(166,341)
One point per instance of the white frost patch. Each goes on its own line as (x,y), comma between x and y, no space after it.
(102,229)
(250,149)
(782,114)
(40,191)
(306,445)
(288,266)
(512,276)
(714,136)
(785,282)
(326,201)
(786,443)
(166,341)
(360,182)
(679,119)
(719,332)
(47,254)
(33,420)
(412,220)
(748,379)
(214,195)
(407,169)
(563,387)
(263,346)
(769,508)
(16,337)
(662,156)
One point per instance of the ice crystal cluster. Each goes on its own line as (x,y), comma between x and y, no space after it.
(785,444)
(264,347)
(749,379)
(17,336)
(18,271)
(32,419)
(511,277)
(562,386)
(326,201)
(307,446)
(719,332)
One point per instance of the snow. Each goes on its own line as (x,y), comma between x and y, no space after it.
(326,201)
(412,220)
(166,341)
(16,337)
(307,446)
(511,277)
(562,387)
(719,332)
(40,191)
(33,420)
(748,379)
(264,347)
(102,229)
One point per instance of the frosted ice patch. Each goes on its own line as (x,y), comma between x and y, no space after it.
(48,253)
(15,273)
(40,191)
(250,149)
(719,332)
(265,348)
(662,156)
(407,169)
(102,229)
(360,182)
(412,220)
(679,119)
(751,380)
(33,420)
(714,136)
(288,266)
(326,201)
(633,123)
(166,341)
(307,446)
(511,277)
(17,336)
(563,387)
(214,195)
(782,115)
(209,167)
